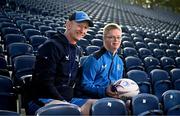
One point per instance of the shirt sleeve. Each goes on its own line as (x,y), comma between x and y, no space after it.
(90,69)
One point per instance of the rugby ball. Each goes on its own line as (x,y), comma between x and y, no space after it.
(126,87)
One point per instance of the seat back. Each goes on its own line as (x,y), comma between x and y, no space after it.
(171,98)
(144,102)
(59,109)
(109,106)
(7,95)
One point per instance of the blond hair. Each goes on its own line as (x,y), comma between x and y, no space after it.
(109,27)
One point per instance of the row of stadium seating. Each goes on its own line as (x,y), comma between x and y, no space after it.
(150,50)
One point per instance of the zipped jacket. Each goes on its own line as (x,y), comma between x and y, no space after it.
(56,68)
(99,71)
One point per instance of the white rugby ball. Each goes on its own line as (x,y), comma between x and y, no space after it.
(126,87)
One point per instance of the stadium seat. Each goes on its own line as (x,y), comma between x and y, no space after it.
(97,42)
(175,78)
(139,45)
(59,109)
(7,95)
(158,53)
(19,22)
(44,28)
(10,30)
(129,51)
(50,33)
(4,67)
(152,45)
(30,32)
(91,49)
(6,24)
(144,52)
(89,37)
(173,46)
(21,69)
(36,41)
(141,78)
(158,41)
(127,44)
(160,82)
(177,60)
(83,43)
(144,102)
(16,49)
(132,62)
(27,26)
(109,106)
(60,29)
(171,53)
(163,46)
(147,40)
(12,38)
(8,113)
(151,63)
(167,63)
(171,102)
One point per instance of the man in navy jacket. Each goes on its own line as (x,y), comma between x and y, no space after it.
(57,65)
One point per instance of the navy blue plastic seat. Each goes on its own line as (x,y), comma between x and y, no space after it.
(144,52)
(36,41)
(141,78)
(144,102)
(12,38)
(7,24)
(160,82)
(132,62)
(91,49)
(158,53)
(177,61)
(175,78)
(109,106)
(17,49)
(152,45)
(151,63)
(8,113)
(97,42)
(171,102)
(59,109)
(167,63)
(163,46)
(27,26)
(139,45)
(44,28)
(10,30)
(171,53)
(50,33)
(60,29)
(83,43)
(30,32)
(127,44)
(147,40)
(4,67)
(129,51)
(7,95)
(20,22)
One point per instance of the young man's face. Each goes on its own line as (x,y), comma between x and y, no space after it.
(78,30)
(112,40)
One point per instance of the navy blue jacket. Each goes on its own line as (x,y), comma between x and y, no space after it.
(56,69)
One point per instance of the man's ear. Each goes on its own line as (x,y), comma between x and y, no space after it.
(68,25)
